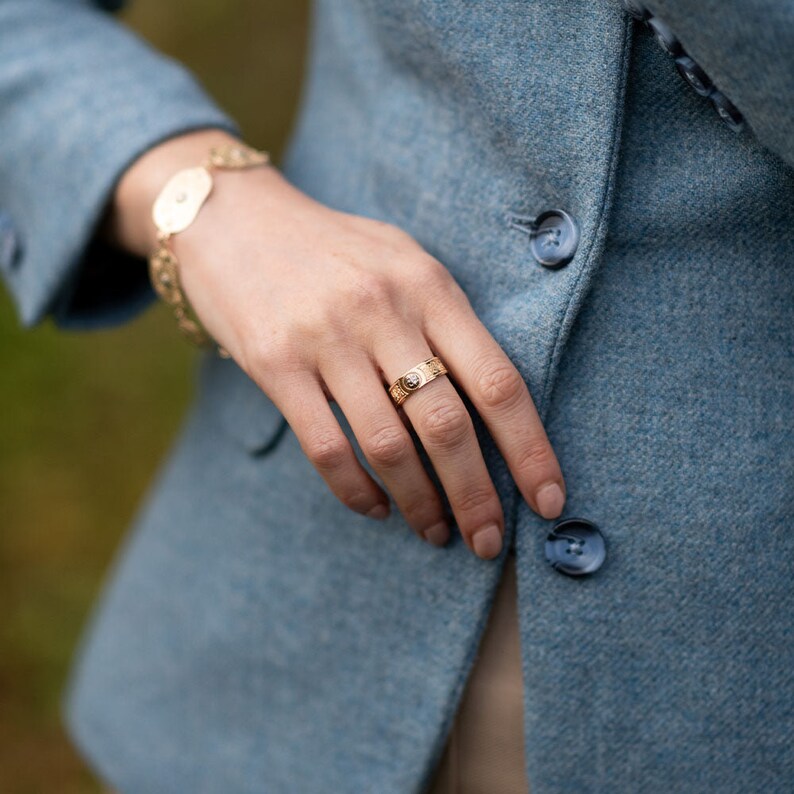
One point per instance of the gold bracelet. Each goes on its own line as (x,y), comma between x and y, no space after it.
(174,209)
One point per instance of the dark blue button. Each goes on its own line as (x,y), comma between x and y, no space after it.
(694,74)
(727,111)
(636,10)
(554,238)
(666,38)
(575,546)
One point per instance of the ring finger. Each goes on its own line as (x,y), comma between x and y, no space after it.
(447,434)
(386,443)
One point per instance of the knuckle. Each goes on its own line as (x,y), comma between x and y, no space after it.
(432,277)
(423,510)
(537,454)
(275,355)
(475,498)
(446,423)
(328,450)
(388,446)
(394,234)
(356,500)
(368,292)
(500,385)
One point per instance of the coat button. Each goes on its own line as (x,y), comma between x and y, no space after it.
(727,111)
(575,546)
(694,74)
(554,238)
(666,38)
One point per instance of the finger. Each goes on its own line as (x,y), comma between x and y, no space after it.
(386,443)
(447,433)
(500,395)
(302,402)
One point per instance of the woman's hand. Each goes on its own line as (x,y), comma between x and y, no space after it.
(315,304)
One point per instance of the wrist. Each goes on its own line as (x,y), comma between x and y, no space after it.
(175,209)
(128,223)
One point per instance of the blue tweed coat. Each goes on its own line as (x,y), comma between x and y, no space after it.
(255,635)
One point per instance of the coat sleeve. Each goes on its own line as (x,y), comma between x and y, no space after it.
(81,97)
(746,47)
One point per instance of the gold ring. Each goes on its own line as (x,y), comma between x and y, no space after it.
(415,378)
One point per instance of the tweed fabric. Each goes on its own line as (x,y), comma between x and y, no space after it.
(254,635)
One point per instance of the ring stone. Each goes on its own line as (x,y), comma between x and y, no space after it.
(412,380)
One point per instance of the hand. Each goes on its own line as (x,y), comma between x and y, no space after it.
(314,304)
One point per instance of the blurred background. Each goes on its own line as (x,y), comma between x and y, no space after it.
(86,418)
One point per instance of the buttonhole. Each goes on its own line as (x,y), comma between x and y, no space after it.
(523,223)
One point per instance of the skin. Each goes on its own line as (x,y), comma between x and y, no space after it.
(316,305)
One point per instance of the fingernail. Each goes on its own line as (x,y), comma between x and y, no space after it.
(550,500)
(438,534)
(487,541)
(379,511)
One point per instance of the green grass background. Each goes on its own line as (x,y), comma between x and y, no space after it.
(85,418)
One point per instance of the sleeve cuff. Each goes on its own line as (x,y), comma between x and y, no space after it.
(77,121)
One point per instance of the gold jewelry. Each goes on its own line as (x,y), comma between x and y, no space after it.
(415,378)
(173,211)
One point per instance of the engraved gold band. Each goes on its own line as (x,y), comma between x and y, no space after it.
(415,378)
